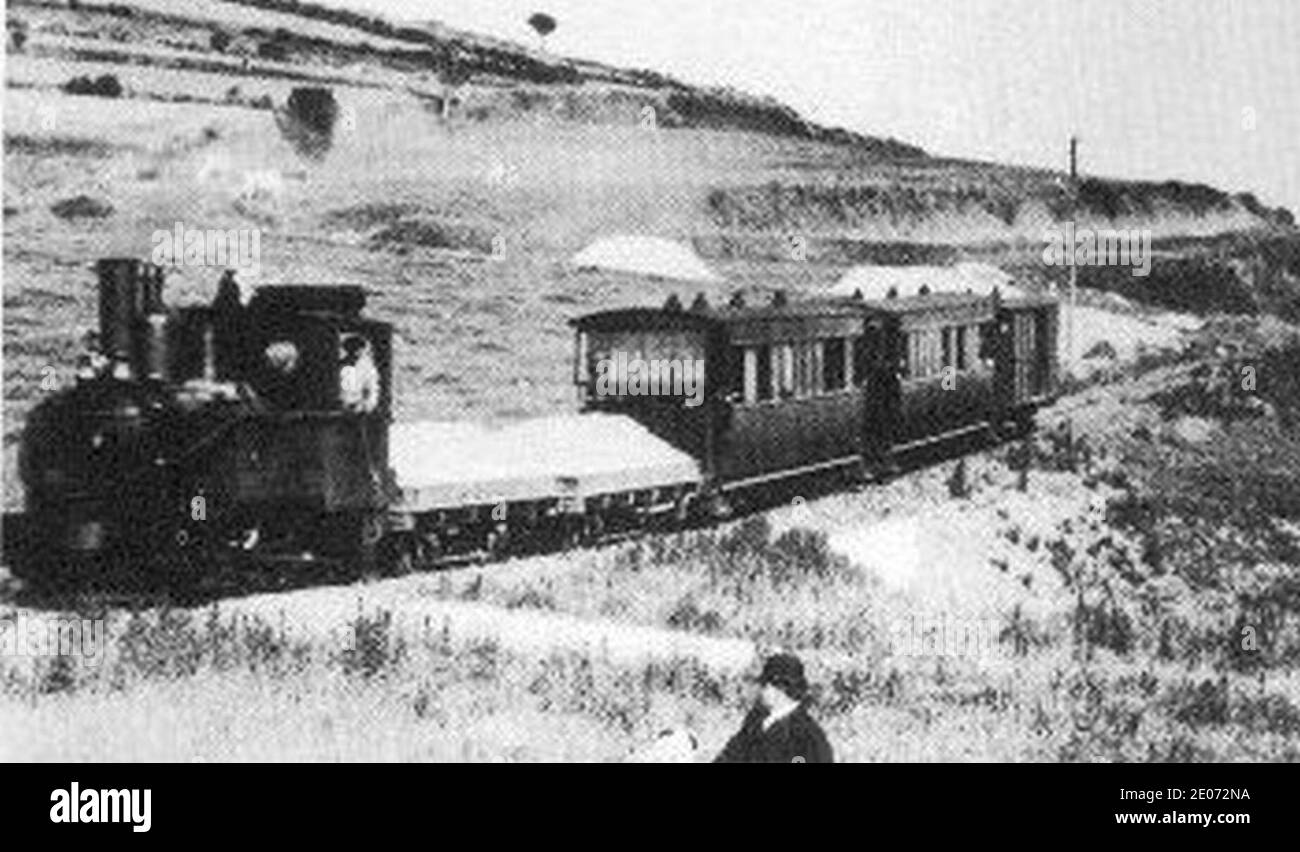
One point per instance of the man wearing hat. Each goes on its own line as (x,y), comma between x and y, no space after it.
(778,729)
(358,377)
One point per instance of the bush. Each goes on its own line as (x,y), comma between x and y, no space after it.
(314,106)
(1103,349)
(105,86)
(307,120)
(81,207)
(375,649)
(17,35)
(273,51)
(219,41)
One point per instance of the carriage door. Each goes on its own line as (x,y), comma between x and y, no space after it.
(1025,355)
(874,371)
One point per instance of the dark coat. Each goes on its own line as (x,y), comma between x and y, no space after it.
(795,739)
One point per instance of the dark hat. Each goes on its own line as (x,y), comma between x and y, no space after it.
(785,672)
(353,343)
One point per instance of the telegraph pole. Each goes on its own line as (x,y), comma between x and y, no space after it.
(1074,282)
(1074,269)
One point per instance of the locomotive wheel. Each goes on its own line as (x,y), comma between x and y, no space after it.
(429,550)
(400,554)
(369,535)
(583,530)
(352,540)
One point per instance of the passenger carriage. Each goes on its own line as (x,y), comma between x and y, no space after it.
(798,387)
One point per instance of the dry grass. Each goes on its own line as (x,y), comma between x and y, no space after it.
(219,684)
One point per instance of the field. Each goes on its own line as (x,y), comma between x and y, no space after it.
(1120,560)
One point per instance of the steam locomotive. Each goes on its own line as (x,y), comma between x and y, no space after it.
(207,428)
(228,433)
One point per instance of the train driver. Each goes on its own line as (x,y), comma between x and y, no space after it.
(358,378)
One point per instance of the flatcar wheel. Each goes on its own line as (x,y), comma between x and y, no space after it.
(719,507)
(583,531)
(497,543)
(429,550)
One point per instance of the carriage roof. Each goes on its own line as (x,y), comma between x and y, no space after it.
(809,317)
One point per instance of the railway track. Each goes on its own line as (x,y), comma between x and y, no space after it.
(190,581)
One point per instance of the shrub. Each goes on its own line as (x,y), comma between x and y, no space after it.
(105,86)
(313,106)
(17,35)
(1102,349)
(374,649)
(307,121)
(81,207)
(273,51)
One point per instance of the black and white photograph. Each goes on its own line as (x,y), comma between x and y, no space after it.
(614,382)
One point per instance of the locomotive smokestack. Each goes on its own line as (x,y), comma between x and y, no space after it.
(129,291)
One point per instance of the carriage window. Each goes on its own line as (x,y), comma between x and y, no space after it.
(862,358)
(805,368)
(988,340)
(948,359)
(739,374)
(763,372)
(961,347)
(850,368)
(580,366)
(924,351)
(607,351)
(785,369)
(833,364)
